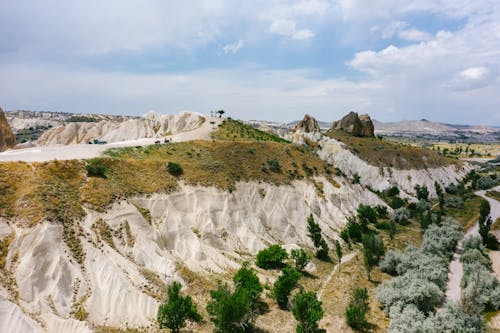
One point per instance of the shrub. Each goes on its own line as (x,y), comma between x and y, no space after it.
(284,285)
(452,189)
(96,168)
(308,312)
(381,211)
(174,169)
(177,310)
(454,202)
(300,257)
(422,206)
(393,191)
(354,229)
(366,215)
(274,165)
(373,249)
(382,225)
(401,216)
(272,257)
(486,182)
(356,310)
(396,203)
(406,290)
(422,192)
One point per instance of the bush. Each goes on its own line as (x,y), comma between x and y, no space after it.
(382,225)
(393,191)
(486,182)
(274,165)
(272,257)
(174,169)
(177,310)
(300,257)
(454,202)
(96,168)
(452,189)
(366,215)
(355,313)
(422,192)
(247,279)
(381,211)
(308,312)
(401,216)
(396,203)
(284,285)
(354,229)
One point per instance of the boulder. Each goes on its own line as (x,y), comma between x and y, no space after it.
(7,138)
(355,124)
(307,125)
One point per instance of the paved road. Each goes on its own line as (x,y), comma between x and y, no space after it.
(456,270)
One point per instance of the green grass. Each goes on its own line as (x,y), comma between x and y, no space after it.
(468,214)
(235,130)
(383,153)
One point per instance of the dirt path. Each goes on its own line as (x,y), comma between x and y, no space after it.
(325,283)
(456,270)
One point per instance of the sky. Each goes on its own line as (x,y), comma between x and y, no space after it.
(268,60)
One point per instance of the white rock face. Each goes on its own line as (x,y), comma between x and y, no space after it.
(151,125)
(380,178)
(204,228)
(13,320)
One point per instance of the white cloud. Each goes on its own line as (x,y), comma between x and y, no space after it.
(233,48)
(288,28)
(414,35)
(471,78)
(393,28)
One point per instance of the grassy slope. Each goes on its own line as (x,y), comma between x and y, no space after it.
(235,130)
(388,154)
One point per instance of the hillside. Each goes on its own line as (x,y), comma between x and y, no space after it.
(90,245)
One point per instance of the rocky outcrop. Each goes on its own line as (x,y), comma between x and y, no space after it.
(307,125)
(355,124)
(151,125)
(7,139)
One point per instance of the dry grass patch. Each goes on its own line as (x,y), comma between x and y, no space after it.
(382,153)
(494,195)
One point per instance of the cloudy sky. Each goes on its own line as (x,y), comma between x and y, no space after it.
(259,59)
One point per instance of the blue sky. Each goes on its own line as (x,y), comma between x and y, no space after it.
(273,60)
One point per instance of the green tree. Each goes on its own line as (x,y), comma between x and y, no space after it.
(284,285)
(356,311)
(422,192)
(272,257)
(300,257)
(230,311)
(373,249)
(392,229)
(246,278)
(338,251)
(220,113)
(366,215)
(174,313)
(308,312)
(440,194)
(314,232)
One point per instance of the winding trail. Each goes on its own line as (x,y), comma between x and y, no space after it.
(456,270)
(343,261)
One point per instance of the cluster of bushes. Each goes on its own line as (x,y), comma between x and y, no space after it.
(480,288)
(420,282)
(485,222)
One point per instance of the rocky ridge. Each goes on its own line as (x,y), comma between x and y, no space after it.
(355,124)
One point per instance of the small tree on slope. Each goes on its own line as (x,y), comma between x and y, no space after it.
(177,310)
